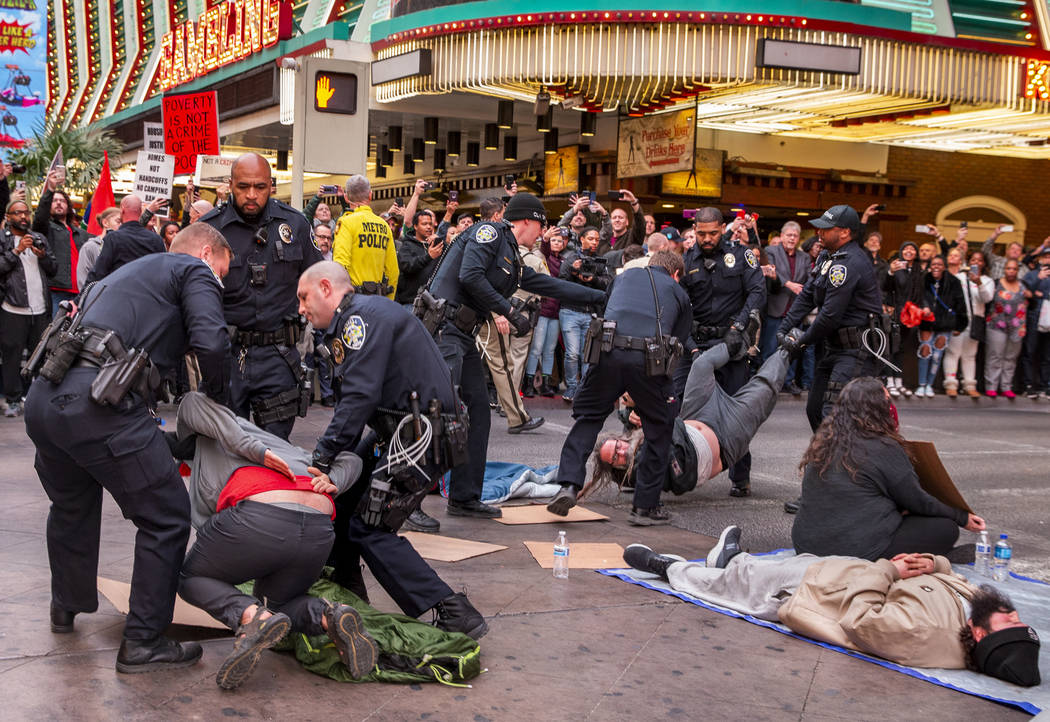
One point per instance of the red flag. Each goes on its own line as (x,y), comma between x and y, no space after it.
(102,198)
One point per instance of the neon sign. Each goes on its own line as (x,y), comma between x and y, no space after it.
(223,34)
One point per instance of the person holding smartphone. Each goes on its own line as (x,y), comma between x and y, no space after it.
(617,231)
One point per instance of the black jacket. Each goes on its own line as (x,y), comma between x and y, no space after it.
(947,302)
(132,240)
(414,265)
(903,286)
(12,272)
(61,239)
(599,280)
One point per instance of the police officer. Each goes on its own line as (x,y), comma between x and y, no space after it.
(272,246)
(844,285)
(725,285)
(364,245)
(647,306)
(163,305)
(381,356)
(478,274)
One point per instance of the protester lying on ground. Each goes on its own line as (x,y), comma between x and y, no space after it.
(860,494)
(263,514)
(911,609)
(714,431)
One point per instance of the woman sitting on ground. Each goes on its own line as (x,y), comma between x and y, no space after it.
(714,429)
(860,494)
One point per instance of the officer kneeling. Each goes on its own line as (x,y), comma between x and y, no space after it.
(389,374)
(634,348)
(89,416)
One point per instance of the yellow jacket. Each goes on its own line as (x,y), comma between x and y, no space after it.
(364,246)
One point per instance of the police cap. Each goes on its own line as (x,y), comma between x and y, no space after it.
(525,207)
(838,217)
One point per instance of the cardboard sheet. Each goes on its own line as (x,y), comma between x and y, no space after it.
(538,514)
(933,477)
(446,548)
(118,594)
(582,555)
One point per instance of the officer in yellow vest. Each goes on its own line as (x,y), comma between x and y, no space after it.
(364,245)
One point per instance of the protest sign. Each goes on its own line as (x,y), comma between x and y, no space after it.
(154,173)
(153,137)
(212,170)
(656,144)
(933,477)
(191,127)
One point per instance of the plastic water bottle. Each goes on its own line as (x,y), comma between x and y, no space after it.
(983,555)
(1001,565)
(561,557)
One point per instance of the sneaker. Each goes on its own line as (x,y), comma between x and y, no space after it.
(929,391)
(420,521)
(972,393)
(906,392)
(455,613)
(1010,395)
(992,393)
(356,648)
(657,516)
(644,559)
(568,396)
(252,639)
(727,547)
(13,410)
(564,500)
(1031,393)
(894,390)
(793,507)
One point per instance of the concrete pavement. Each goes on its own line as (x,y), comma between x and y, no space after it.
(586,648)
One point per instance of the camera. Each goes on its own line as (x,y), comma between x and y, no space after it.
(593,265)
(880,207)
(38,242)
(18,168)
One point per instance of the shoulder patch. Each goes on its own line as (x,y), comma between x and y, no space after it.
(354,333)
(338,353)
(729,259)
(837,275)
(750,258)
(285,232)
(486,234)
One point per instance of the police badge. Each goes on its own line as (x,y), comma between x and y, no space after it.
(729,259)
(354,333)
(285,232)
(338,354)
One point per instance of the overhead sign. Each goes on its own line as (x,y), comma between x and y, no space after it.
(656,144)
(191,127)
(223,34)
(212,170)
(335,92)
(790,55)
(153,137)
(561,173)
(154,175)
(405,65)
(705,179)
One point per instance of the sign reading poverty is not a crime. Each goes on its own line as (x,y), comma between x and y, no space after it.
(154,175)
(191,127)
(656,144)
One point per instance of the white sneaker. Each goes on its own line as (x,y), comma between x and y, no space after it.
(13,410)
(893,386)
(906,391)
(928,391)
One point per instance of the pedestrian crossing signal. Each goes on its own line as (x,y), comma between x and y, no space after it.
(335,93)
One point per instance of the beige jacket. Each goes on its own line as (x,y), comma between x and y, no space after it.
(866,606)
(533,259)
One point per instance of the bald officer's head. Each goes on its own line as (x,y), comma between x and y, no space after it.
(321,290)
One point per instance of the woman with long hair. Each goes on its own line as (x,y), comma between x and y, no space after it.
(903,284)
(545,337)
(860,494)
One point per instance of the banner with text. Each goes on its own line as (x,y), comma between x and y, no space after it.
(656,144)
(191,127)
(153,137)
(154,175)
(23,52)
(212,170)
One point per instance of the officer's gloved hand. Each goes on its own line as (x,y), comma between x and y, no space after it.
(790,342)
(520,322)
(734,341)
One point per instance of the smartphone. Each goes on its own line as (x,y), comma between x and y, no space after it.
(615,196)
(508,180)
(400,202)
(964,224)
(975,269)
(1006,229)
(689,214)
(922,229)
(329,190)
(428,186)
(453,196)
(593,196)
(21,186)
(880,207)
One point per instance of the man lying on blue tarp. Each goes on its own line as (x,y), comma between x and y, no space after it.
(911,609)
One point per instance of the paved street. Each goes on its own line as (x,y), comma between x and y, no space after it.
(589,648)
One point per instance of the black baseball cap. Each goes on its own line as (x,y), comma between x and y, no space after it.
(838,217)
(672,234)
(1011,655)
(525,206)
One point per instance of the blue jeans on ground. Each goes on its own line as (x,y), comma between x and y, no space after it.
(573,330)
(928,366)
(541,353)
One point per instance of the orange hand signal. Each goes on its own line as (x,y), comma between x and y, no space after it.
(324,91)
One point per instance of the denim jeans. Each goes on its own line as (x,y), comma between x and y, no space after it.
(541,353)
(573,329)
(928,366)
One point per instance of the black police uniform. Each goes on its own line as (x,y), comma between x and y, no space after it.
(132,240)
(167,304)
(261,305)
(844,286)
(381,354)
(724,287)
(479,272)
(632,306)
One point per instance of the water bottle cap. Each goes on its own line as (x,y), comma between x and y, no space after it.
(1002,536)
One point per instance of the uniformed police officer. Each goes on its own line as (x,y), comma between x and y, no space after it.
(162,305)
(381,356)
(725,285)
(844,286)
(364,245)
(272,246)
(479,273)
(645,304)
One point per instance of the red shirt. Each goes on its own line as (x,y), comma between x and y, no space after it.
(251,480)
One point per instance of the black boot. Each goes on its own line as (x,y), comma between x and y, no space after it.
(455,613)
(420,521)
(61,620)
(527,389)
(564,500)
(547,389)
(161,653)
